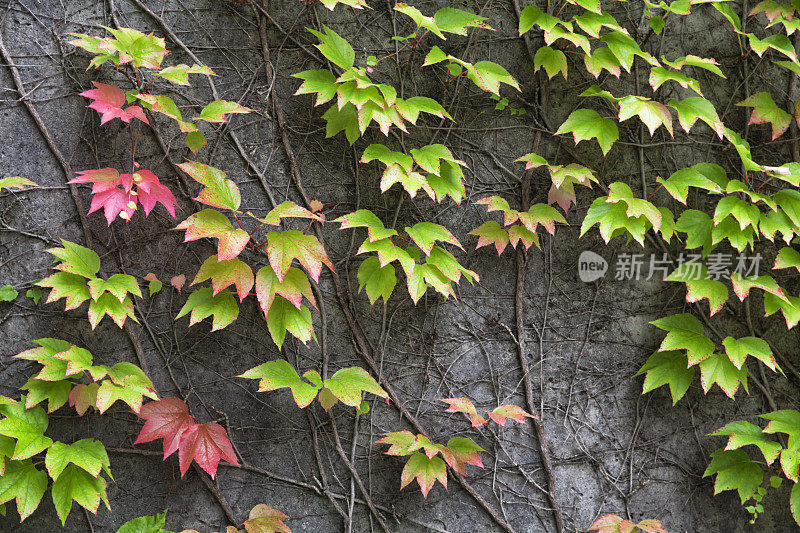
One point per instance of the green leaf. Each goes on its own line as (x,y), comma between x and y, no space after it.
(295,285)
(785,421)
(108,304)
(348,384)
(283,316)
(146,524)
(179,74)
(667,368)
(118,284)
(765,111)
(379,281)
(77,484)
(7,293)
(215,111)
(286,246)
(336,49)
(794,502)
(219,191)
(718,369)
(602,58)
(659,76)
(345,119)
(587,124)
(425,234)
(426,471)
(27,427)
(743,149)
(626,48)
(88,454)
(72,287)
(779,43)
(154,286)
(685,332)
(787,258)
(788,305)
(491,232)
(699,285)
(167,107)
(136,48)
(55,392)
(203,303)
(76,259)
(532,15)
(698,227)
(23,482)
(652,114)
(553,61)
(739,349)
(223,274)
(210,223)
(744,433)
(657,23)
(706,176)
(735,471)
(693,108)
(422,21)
(451,20)
(280,374)
(195,141)
(34,294)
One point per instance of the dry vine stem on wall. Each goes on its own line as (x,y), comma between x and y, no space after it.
(335,171)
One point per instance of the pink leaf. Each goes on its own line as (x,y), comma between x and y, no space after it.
(178,281)
(168,419)
(108,101)
(464,405)
(500,414)
(207,444)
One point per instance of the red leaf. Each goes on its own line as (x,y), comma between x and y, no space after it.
(464,405)
(207,444)
(108,101)
(500,414)
(150,191)
(178,281)
(168,419)
(113,201)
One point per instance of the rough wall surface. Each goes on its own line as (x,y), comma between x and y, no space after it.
(612,449)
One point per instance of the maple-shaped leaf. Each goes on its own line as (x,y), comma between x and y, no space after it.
(216,110)
(295,285)
(88,454)
(693,108)
(612,523)
(425,234)
(212,224)
(461,451)
(195,140)
(667,368)
(718,369)
(265,519)
(787,258)
(127,382)
(743,433)
(788,305)
(148,524)
(734,471)
(379,281)
(400,442)
(739,349)
(464,405)
(553,61)
(24,483)
(118,285)
(347,385)
(26,427)
(286,246)
(322,82)
(167,107)
(518,232)
(206,444)
(699,285)
(149,190)
(223,274)
(706,176)
(491,232)
(83,396)
(179,74)
(108,304)
(55,392)
(108,193)
(72,287)
(502,413)
(165,419)
(685,332)
(540,214)
(76,259)
(426,471)
(54,368)
(742,286)
(203,303)
(364,218)
(76,484)
(289,209)
(284,316)
(219,191)
(653,114)
(108,101)
(587,124)
(135,47)
(389,252)
(766,111)
(280,374)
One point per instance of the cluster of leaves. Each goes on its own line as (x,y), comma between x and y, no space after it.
(612,523)
(735,470)
(346,385)
(490,232)
(206,444)
(262,519)
(425,464)
(75,469)
(378,275)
